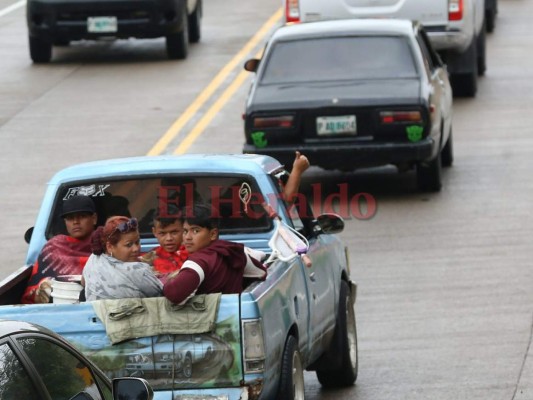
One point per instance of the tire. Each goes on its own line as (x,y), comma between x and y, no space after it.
(464,84)
(490,19)
(447,152)
(187,366)
(429,175)
(291,383)
(178,43)
(40,50)
(344,345)
(481,52)
(194,24)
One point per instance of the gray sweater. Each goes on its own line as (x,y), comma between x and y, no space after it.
(108,278)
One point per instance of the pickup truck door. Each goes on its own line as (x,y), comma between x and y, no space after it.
(322,284)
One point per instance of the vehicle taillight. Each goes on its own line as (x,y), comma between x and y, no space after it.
(284,121)
(292,11)
(253,346)
(455,10)
(392,117)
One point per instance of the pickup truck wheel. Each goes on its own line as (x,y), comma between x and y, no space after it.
(428,175)
(194,24)
(447,152)
(178,43)
(345,344)
(187,366)
(464,83)
(40,50)
(291,383)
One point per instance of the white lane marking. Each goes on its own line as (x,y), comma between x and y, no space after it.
(12,7)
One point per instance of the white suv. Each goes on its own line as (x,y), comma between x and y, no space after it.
(456,28)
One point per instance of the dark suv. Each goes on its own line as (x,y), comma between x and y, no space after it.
(57,22)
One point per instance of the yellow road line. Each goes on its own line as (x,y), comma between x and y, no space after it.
(211,113)
(193,108)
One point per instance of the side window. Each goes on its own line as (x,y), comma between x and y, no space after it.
(425,54)
(300,211)
(15,383)
(431,53)
(63,374)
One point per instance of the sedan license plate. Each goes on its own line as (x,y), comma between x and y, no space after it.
(336,125)
(102,24)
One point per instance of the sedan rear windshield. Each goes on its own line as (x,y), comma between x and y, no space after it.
(339,58)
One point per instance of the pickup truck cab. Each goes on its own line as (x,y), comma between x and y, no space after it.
(456,28)
(58,22)
(300,317)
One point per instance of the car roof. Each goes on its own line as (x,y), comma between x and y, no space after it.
(9,327)
(153,165)
(356,26)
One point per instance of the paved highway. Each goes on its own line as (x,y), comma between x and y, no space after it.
(445,306)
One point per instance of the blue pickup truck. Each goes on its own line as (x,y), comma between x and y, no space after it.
(301,317)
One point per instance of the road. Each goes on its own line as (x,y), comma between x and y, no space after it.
(445,306)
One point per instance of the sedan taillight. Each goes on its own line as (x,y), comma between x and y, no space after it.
(292,11)
(393,117)
(284,121)
(455,10)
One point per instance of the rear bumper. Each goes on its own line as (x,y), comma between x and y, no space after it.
(56,20)
(351,156)
(443,38)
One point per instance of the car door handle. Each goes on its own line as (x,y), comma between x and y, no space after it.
(312,277)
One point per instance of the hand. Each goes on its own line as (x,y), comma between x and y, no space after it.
(44,291)
(300,164)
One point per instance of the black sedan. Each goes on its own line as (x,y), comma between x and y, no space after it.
(350,94)
(37,364)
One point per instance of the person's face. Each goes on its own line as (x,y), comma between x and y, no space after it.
(196,238)
(170,236)
(127,248)
(80,225)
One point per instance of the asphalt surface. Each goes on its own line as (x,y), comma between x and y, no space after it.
(445,306)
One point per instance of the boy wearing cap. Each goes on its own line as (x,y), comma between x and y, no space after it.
(63,254)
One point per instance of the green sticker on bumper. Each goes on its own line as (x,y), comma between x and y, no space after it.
(259,139)
(414,133)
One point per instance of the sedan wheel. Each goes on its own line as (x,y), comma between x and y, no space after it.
(429,175)
(447,152)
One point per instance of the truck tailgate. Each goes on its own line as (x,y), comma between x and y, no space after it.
(430,12)
(168,362)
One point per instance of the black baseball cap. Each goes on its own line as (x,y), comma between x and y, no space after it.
(78,204)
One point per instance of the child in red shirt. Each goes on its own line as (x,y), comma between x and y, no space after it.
(170,255)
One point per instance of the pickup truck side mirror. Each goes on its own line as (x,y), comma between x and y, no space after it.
(132,388)
(251,65)
(330,223)
(27,235)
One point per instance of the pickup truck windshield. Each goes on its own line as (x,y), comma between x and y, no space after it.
(236,200)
